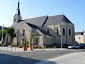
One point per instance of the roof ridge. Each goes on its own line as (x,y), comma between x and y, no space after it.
(57,15)
(35,17)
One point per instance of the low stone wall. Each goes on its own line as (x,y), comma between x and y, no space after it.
(15,49)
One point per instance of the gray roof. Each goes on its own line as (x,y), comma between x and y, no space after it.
(78,33)
(57,19)
(38,21)
(17,25)
(36,27)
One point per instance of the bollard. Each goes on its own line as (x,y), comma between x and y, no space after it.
(15,48)
(11,48)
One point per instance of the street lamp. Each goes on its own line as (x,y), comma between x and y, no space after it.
(2,33)
(61,34)
(61,37)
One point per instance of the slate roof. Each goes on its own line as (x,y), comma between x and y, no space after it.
(38,21)
(58,19)
(33,26)
(78,33)
(48,20)
(16,26)
(38,29)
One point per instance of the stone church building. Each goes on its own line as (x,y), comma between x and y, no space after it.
(45,30)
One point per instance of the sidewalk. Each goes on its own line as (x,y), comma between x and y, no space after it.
(16,49)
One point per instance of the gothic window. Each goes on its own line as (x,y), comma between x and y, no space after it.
(79,38)
(23,32)
(14,19)
(57,31)
(51,39)
(37,40)
(64,31)
(69,31)
(48,31)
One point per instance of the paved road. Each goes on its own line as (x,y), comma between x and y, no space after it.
(72,58)
(33,57)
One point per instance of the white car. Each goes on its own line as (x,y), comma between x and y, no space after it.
(76,46)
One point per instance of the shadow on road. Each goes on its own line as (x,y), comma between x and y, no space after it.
(9,59)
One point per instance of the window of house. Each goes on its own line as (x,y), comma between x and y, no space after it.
(37,40)
(48,31)
(51,39)
(47,40)
(23,32)
(79,37)
(14,19)
(69,31)
(57,31)
(64,31)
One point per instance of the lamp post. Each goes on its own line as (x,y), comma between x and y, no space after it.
(2,33)
(61,34)
(61,37)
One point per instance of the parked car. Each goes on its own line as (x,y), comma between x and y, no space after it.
(75,46)
(82,46)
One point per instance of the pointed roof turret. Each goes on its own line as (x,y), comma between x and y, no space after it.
(17,17)
(18,9)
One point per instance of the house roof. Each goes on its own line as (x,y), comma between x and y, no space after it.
(78,33)
(58,19)
(17,25)
(38,30)
(38,21)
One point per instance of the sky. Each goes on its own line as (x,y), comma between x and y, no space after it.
(74,10)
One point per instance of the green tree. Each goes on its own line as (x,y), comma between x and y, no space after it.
(4,33)
(11,33)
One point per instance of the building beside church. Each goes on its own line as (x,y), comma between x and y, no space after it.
(45,30)
(80,37)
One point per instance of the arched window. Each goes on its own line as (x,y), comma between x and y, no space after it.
(24,32)
(48,31)
(69,31)
(57,31)
(64,31)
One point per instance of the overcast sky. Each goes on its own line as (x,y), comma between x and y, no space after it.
(74,10)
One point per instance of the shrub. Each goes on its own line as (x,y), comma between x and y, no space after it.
(3,44)
(35,46)
(54,47)
(39,47)
(20,46)
(14,45)
(26,43)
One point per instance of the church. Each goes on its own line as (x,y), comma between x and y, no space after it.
(44,30)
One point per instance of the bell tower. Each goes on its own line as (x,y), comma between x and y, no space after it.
(17,17)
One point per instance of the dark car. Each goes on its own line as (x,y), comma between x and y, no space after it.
(82,46)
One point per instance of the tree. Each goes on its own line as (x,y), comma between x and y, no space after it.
(11,33)
(4,33)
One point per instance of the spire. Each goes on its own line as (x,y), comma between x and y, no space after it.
(18,4)
(17,16)
(18,9)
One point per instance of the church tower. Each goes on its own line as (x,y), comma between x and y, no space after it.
(17,16)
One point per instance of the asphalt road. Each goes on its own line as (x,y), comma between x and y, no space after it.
(33,57)
(72,58)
